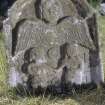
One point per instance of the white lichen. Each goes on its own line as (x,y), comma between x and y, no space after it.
(14,78)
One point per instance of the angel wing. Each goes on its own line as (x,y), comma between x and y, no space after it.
(76,31)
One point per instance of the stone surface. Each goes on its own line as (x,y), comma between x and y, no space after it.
(52,43)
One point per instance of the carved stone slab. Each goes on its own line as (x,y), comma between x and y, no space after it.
(52,43)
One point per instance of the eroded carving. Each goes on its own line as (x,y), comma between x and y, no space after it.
(52,43)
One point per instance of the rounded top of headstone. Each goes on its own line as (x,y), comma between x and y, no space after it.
(49,10)
(53,10)
(21,9)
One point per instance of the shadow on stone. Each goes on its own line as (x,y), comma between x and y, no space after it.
(53,90)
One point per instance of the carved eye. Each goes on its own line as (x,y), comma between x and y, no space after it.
(49,11)
(54,53)
(31,68)
(33,55)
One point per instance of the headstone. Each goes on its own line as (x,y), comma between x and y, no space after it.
(52,43)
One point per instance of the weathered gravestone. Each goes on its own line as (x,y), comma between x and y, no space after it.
(52,43)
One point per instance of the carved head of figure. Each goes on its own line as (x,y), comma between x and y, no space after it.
(51,10)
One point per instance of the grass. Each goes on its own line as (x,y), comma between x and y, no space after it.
(94,3)
(2,65)
(95,97)
(102,37)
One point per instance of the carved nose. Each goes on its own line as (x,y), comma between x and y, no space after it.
(41,61)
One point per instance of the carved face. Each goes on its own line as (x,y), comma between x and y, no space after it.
(40,56)
(52,10)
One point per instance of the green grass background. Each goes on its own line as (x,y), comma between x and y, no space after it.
(94,3)
(95,97)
